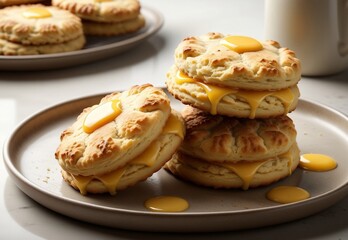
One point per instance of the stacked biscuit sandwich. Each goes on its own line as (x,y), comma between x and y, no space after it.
(105,17)
(120,141)
(238,91)
(38,29)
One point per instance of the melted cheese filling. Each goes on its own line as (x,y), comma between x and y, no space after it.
(36,12)
(147,158)
(254,98)
(101,115)
(247,170)
(241,44)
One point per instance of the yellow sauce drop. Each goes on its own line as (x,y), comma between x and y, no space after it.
(36,12)
(287,194)
(317,162)
(166,204)
(254,98)
(241,44)
(101,115)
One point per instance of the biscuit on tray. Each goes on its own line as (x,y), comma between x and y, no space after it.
(127,148)
(226,152)
(39,29)
(101,11)
(113,29)
(106,17)
(235,76)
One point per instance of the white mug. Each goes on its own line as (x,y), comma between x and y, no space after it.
(317,30)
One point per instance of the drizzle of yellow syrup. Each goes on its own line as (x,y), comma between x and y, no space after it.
(36,12)
(254,98)
(317,162)
(101,115)
(287,194)
(166,204)
(241,44)
(245,170)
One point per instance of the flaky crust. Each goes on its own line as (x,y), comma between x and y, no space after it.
(61,27)
(9,48)
(108,11)
(230,105)
(169,142)
(226,139)
(113,29)
(213,175)
(145,110)
(204,58)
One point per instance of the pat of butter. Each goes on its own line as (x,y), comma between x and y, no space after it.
(241,44)
(101,115)
(36,12)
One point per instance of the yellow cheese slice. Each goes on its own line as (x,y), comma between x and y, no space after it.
(254,98)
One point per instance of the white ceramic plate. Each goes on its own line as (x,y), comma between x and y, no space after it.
(29,158)
(95,49)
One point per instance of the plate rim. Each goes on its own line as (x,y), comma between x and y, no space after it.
(152,30)
(13,170)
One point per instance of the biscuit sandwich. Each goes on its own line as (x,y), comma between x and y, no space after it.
(120,141)
(105,17)
(227,152)
(235,76)
(38,29)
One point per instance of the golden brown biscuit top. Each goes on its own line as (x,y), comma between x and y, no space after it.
(226,139)
(206,58)
(145,110)
(101,10)
(19,24)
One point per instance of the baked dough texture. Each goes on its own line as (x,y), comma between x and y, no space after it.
(168,143)
(205,58)
(10,48)
(62,26)
(231,104)
(215,175)
(113,29)
(6,3)
(226,139)
(101,11)
(145,110)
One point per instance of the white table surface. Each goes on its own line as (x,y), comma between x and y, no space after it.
(22,94)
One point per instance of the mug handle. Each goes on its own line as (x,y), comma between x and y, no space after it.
(342,8)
